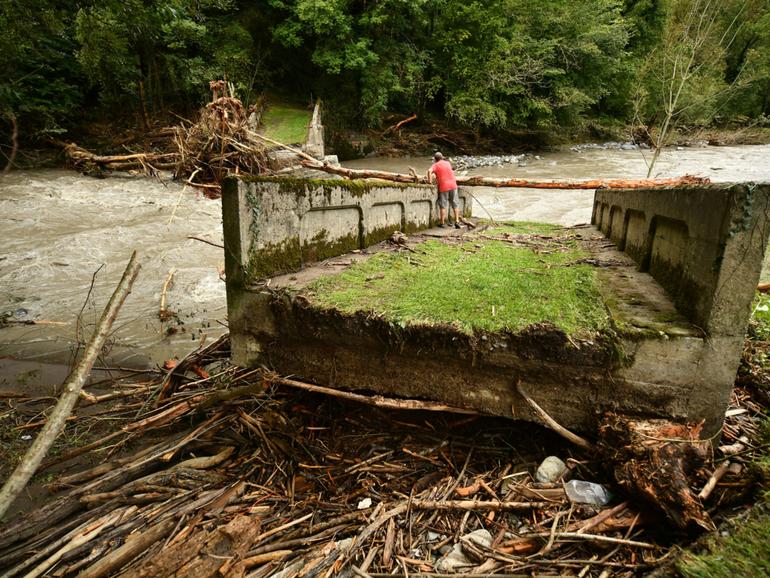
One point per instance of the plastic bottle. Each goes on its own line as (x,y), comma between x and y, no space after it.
(581,492)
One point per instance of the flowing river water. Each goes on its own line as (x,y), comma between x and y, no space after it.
(66,239)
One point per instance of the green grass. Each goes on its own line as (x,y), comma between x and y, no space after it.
(286,124)
(744,552)
(522,227)
(488,285)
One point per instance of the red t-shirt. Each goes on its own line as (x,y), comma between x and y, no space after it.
(444,175)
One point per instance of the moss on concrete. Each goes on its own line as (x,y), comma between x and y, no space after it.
(273,259)
(377,235)
(320,248)
(300,186)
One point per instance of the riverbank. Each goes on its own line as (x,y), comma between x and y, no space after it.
(422,139)
(286,123)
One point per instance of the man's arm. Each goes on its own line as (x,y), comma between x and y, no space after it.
(431,175)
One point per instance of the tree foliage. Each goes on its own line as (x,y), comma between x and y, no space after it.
(496,63)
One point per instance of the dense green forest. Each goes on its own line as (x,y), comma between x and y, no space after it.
(483,64)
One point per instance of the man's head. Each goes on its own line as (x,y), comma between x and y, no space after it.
(437,156)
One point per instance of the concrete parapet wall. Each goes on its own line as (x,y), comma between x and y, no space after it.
(704,244)
(275,225)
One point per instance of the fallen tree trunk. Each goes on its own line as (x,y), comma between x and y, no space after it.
(479,181)
(78,156)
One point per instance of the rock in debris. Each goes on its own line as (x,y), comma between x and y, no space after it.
(550,470)
(456,560)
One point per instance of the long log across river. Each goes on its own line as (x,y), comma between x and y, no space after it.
(480,181)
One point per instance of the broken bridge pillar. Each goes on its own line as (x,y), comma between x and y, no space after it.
(705,244)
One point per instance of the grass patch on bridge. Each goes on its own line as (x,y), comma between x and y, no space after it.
(286,124)
(480,283)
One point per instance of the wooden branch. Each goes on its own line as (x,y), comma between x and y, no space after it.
(129,551)
(296,151)
(206,241)
(598,538)
(376,400)
(551,423)
(713,480)
(399,124)
(477,505)
(70,393)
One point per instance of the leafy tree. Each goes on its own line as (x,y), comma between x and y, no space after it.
(748,60)
(376,49)
(150,51)
(40,87)
(527,62)
(684,77)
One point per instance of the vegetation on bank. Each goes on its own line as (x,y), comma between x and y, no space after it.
(742,546)
(477,284)
(502,64)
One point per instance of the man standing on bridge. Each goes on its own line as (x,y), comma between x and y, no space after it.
(447,188)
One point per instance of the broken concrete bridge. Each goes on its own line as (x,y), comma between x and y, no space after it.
(675,269)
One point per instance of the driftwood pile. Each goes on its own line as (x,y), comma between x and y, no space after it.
(250,479)
(222,141)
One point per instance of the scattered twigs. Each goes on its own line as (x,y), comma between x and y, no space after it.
(70,393)
(274,481)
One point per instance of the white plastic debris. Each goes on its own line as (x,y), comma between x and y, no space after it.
(365,504)
(456,560)
(580,492)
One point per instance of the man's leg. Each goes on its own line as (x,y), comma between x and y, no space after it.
(456,212)
(443,202)
(453,202)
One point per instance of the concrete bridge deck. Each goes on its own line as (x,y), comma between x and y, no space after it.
(676,270)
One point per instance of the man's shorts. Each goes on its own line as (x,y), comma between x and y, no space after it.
(448,197)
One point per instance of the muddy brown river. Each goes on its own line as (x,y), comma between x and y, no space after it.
(63,233)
